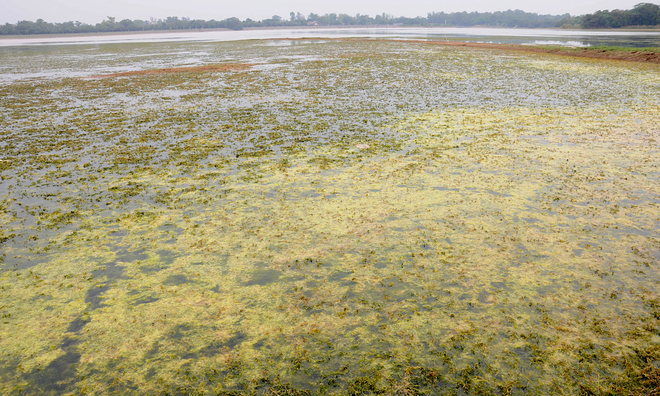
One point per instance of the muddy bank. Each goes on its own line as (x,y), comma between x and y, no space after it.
(599,53)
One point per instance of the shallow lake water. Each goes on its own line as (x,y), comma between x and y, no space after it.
(565,37)
(339,218)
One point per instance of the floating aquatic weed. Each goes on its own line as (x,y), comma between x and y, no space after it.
(390,219)
(192,69)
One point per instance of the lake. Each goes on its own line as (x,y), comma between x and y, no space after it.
(326,217)
(489,35)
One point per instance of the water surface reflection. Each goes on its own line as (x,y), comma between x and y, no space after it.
(494,35)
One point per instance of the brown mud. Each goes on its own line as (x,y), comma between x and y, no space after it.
(598,53)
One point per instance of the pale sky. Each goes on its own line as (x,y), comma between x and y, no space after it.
(94,11)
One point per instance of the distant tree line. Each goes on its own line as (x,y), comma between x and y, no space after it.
(642,14)
(508,18)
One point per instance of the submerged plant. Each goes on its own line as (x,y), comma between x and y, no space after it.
(329,221)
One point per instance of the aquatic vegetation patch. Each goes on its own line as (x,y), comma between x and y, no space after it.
(392,219)
(191,69)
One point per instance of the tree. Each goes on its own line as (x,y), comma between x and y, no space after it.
(619,18)
(641,14)
(233,23)
(599,19)
(644,14)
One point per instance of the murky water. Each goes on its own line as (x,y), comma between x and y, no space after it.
(342,218)
(572,38)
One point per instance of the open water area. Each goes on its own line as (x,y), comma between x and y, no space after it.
(327,218)
(564,37)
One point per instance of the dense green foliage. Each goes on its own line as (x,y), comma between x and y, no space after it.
(643,14)
(508,18)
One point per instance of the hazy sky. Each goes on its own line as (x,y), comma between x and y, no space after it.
(93,11)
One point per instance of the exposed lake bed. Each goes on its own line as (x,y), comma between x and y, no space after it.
(337,217)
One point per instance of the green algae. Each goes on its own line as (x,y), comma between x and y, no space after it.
(416,222)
